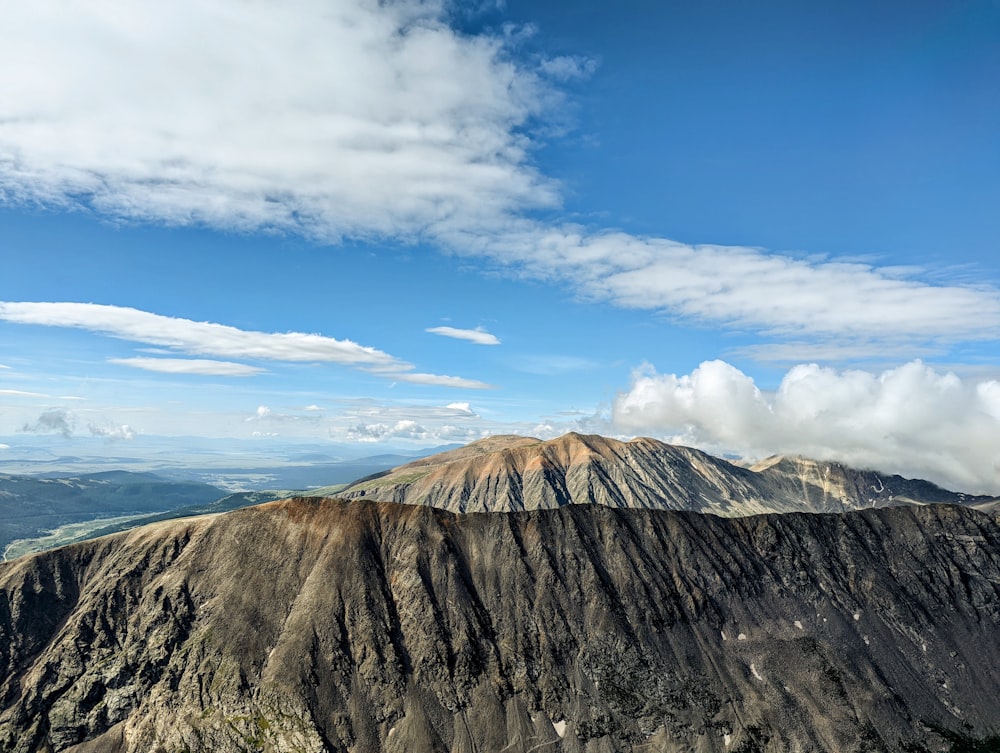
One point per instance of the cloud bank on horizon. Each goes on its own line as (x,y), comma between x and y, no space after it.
(913,419)
(380,120)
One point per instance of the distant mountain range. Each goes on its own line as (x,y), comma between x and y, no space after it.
(51,509)
(506,473)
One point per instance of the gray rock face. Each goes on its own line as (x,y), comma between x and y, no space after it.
(518,473)
(329,625)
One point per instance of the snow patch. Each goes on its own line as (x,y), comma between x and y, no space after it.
(724,635)
(726,739)
(798,624)
(857,616)
(741,637)
(754,672)
(560,727)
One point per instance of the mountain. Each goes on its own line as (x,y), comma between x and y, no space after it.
(30,505)
(330,625)
(508,473)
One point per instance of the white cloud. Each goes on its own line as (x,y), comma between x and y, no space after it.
(443,381)
(568,67)
(351,117)
(403,429)
(297,420)
(911,420)
(111,432)
(362,119)
(199,338)
(455,422)
(199,366)
(210,339)
(4,446)
(746,288)
(312,408)
(21,393)
(479,336)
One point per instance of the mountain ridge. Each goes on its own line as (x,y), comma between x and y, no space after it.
(361,626)
(509,472)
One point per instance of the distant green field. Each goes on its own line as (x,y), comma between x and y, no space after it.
(66,534)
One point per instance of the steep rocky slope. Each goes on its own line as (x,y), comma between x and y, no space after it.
(327,625)
(517,473)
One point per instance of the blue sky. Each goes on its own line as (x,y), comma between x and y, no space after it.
(753,228)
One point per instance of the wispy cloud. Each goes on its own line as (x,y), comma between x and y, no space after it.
(479,336)
(21,393)
(199,338)
(747,288)
(441,380)
(568,67)
(422,132)
(549,365)
(199,366)
(911,420)
(210,339)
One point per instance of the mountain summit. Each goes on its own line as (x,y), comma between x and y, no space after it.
(508,473)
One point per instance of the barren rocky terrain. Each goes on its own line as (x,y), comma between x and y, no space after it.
(330,625)
(507,473)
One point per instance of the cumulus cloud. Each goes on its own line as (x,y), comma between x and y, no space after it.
(403,429)
(111,432)
(455,422)
(341,118)
(54,421)
(479,336)
(199,366)
(210,339)
(912,420)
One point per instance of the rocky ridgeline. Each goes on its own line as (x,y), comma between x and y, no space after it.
(518,473)
(327,625)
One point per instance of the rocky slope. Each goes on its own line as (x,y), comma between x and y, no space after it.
(517,473)
(327,625)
